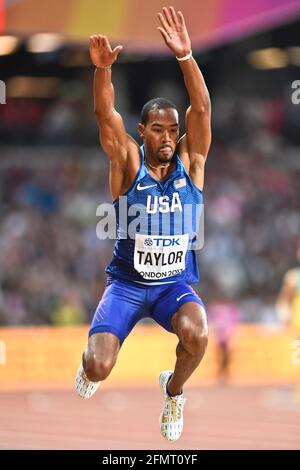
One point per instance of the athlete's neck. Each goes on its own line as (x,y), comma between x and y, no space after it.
(160,170)
(155,167)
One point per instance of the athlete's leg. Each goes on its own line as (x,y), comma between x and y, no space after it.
(100,356)
(178,309)
(121,307)
(190,325)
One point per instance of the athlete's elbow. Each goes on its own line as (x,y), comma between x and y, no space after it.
(201,104)
(202,107)
(102,114)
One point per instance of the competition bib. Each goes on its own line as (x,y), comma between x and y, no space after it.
(158,257)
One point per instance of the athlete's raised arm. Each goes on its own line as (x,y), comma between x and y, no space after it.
(194,146)
(112,131)
(113,138)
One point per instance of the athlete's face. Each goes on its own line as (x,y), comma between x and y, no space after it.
(160,134)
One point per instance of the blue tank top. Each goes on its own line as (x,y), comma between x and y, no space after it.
(157,227)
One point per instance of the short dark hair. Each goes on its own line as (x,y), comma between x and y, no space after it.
(155,103)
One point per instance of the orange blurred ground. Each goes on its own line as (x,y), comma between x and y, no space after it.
(219,417)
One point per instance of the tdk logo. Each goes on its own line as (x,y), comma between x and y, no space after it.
(148,242)
(167,241)
(2,92)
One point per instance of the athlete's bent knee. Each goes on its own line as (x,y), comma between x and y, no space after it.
(98,368)
(194,338)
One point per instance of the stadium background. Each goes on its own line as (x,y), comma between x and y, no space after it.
(53,175)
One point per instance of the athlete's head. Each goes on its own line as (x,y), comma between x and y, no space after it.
(159,129)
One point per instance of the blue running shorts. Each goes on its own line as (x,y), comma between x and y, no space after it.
(124,303)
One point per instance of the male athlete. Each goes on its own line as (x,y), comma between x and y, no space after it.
(150,275)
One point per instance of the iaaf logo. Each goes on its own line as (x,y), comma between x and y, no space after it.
(162,241)
(2,92)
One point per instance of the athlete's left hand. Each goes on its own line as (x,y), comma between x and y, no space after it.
(174,32)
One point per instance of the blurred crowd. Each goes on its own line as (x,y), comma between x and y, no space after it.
(51,262)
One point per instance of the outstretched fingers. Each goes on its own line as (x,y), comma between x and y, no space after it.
(174,17)
(168,17)
(92,41)
(95,40)
(116,51)
(100,41)
(181,18)
(163,22)
(164,34)
(170,20)
(105,43)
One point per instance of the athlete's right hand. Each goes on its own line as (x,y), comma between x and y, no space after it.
(101,52)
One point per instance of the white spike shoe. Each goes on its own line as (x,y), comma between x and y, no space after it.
(83,386)
(171,418)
